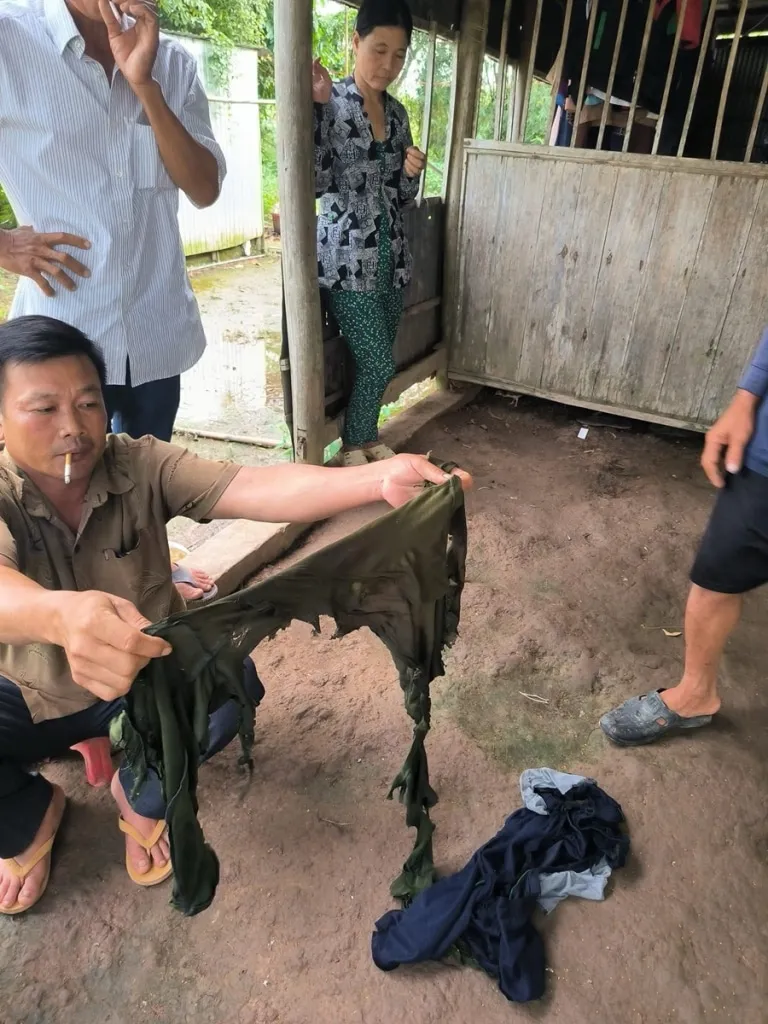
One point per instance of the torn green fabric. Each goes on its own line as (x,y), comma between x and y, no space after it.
(402,576)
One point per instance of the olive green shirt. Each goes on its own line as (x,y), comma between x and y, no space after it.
(121,548)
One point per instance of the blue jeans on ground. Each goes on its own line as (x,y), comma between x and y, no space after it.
(25,796)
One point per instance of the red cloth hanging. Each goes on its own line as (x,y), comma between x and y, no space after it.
(691,34)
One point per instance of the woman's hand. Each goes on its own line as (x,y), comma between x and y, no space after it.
(415,162)
(322,86)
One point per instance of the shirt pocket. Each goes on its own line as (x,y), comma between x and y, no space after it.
(140,573)
(148,168)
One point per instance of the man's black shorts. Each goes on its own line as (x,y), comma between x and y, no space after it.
(733,557)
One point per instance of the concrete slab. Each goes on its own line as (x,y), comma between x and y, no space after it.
(242,548)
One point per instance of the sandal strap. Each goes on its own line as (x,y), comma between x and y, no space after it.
(21,871)
(146,842)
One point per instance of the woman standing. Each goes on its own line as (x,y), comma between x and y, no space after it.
(366,168)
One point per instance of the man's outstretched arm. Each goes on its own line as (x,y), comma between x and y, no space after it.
(101,634)
(308,494)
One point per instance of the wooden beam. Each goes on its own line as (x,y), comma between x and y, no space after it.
(558,70)
(529,71)
(526,57)
(296,181)
(426,117)
(728,76)
(469,63)
(639,75)
(612,74)
(579,403)
(584,70)
(757,118)
(501,78)
(703,54)
(670,75)
(670,164)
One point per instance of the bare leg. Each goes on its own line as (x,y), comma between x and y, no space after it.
(710,619)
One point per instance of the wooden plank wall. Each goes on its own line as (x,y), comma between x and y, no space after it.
(630,283)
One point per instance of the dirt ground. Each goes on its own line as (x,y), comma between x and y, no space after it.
(578,558)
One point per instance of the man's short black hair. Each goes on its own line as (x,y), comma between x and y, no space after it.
(37,339)
(384,14)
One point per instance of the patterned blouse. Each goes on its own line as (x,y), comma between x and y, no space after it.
(349,186)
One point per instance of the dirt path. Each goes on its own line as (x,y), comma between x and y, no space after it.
(579,551)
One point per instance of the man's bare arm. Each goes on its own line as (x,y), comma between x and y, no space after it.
(192,167)
(308,494)
(28,612)
(100,634)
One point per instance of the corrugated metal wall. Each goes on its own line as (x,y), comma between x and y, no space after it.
(238,215)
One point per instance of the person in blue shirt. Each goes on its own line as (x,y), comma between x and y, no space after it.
(732,560)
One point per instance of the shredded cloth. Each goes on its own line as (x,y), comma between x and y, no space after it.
(483,915)
(402,576)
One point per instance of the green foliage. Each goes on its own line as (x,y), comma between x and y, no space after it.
(537,127)
(230,22)
(7,216)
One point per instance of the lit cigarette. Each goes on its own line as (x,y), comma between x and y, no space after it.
(68,468)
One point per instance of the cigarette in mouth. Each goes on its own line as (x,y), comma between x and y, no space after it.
(68,468)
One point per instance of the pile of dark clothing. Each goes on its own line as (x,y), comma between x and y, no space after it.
(565,841)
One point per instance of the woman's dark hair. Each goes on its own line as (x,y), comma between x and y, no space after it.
(36,339)
(375,14)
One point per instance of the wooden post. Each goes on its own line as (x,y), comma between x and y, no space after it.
(429,94)
(757,118)
(639,75)
(469,63)
(524,64)
(559,64)
(729,75)
(584,70)
(703,54)
(501,79)
(670,75)
(530,70)
(612,75)
(296,182)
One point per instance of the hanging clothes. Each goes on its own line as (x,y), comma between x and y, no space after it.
(691,34)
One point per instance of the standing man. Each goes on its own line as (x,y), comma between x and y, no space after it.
(102,123)
(732,561)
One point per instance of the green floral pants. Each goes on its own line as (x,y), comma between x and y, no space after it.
(369,323)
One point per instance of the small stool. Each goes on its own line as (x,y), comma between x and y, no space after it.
(97,755)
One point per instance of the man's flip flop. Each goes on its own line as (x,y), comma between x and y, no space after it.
(22,872)
(155,875)
(645,719)
(182,575)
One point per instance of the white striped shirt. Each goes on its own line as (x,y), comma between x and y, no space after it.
(78,155)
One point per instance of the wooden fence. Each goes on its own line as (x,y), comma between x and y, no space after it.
(627,283)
